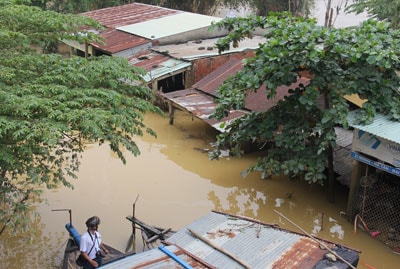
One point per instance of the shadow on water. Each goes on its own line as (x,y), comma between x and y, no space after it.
(176,184)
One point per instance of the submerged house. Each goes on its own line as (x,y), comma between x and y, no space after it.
(199,99)
(176,48)
(375,183)
(134,27)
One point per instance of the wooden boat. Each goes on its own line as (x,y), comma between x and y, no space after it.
(72,252)
(151,236)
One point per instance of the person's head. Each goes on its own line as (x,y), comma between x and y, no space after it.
(93,222)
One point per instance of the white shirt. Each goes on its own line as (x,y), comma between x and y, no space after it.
(87,241)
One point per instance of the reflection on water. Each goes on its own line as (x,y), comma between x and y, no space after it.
(176,184)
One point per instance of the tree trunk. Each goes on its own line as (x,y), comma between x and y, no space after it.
(331,176)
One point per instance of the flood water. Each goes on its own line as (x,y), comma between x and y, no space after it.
(176,183)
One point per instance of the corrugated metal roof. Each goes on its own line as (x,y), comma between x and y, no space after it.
(116,41)
(114,17)
(200,99)
(158,65)
(148,61)
(255,101)
(210,83)
(201,105)
(250,242)
(154,259)
(118,16)
(381,126)
(169,25)
(206,48)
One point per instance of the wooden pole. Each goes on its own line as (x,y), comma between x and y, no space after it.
(205,240)
(132,238)
(316,240)
(171,109)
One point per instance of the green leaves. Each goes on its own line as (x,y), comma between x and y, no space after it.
(23,26)
(299,131)
(52,106)
(381,11)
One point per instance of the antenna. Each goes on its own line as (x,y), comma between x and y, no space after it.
(69,211)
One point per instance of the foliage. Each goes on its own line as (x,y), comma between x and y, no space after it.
(76,6)
(300,8)
(208,7)
(298,132)
(389,10)
(52,106)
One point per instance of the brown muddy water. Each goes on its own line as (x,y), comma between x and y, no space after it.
(176,183)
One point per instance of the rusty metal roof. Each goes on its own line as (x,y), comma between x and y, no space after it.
(221,240)
(202,105)
(210,83)
(255,101)
(116,41)
(148,61)
(200,99)
(118,16)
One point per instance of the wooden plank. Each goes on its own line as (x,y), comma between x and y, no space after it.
(148,228)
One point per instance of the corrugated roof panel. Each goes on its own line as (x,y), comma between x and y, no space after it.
(381,126)
(154,259)
(158,65)
(116,41)
(171,25)
(249,242)
(259,245)
(118,16)
(168,67)
(123,15)
(255,101)
(201,105)
(210,83)
(148,61)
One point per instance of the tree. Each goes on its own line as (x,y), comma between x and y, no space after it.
(261,7)
(389,10)
(298,133)
(51,106)
(300,8)
(76,6)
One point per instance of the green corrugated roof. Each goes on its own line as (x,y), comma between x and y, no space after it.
(381,126)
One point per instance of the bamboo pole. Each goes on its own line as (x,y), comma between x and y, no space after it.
(316,240)
(205,240)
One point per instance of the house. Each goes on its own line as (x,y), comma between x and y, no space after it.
(199,99)
(375,182)
(134,27)
(176,48)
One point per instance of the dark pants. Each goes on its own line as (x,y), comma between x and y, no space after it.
(87,265)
